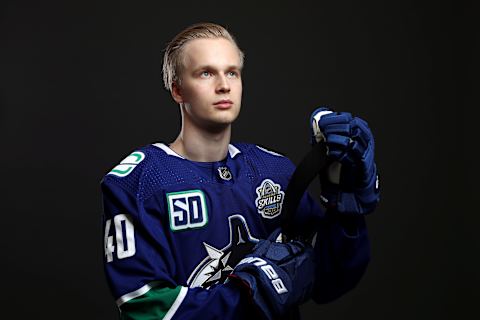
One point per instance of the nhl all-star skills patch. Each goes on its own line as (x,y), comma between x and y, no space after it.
(269,199)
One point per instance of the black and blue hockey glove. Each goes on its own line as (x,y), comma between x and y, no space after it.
(350,182)
(279,275)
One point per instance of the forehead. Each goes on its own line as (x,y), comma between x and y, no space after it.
(213,52)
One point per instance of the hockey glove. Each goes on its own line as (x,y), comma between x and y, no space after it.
(279,275)
(350,182)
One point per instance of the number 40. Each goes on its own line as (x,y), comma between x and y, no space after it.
(124,236)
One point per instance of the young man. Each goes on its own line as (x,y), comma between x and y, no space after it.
(191,227)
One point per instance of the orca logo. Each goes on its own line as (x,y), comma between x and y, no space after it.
(219,263)
(270,199)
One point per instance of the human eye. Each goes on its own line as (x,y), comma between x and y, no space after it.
(205,74)
(233,74)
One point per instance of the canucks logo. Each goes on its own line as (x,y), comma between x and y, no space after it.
(219,263)
(128,164)
(269,199)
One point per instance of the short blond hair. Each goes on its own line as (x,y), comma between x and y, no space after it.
(172,59)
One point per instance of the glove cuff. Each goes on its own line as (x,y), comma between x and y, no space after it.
(354,201)
(261,299)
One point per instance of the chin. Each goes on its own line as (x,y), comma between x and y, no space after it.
(227,117)
(220,124)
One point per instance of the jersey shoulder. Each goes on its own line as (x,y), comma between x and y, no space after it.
(148,169)
(266,161)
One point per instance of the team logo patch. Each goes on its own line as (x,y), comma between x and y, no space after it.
(187,210)
(269,199)
(219,263)
(128,164)
(224,173)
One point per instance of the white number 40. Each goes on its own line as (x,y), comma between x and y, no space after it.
(124,236)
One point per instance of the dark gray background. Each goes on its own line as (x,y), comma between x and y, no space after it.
(81,86)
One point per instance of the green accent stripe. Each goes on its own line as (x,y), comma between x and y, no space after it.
(122,172)
(138,155)
(154,304)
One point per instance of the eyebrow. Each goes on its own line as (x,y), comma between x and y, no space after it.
(207,66)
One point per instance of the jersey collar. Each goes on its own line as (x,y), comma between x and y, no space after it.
(232,150)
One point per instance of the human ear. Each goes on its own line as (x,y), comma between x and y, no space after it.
(177,92)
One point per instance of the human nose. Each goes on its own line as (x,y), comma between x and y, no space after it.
(223,85)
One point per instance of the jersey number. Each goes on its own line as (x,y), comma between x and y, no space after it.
(124,237)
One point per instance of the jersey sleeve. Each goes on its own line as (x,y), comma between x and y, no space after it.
(141,272)
(341,247)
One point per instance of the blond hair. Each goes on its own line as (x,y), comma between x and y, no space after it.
(172,59)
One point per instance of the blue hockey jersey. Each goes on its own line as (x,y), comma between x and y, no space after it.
(175,229)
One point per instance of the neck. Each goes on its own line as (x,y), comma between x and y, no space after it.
(200,145)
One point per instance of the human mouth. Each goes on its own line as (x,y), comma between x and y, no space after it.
(223,104)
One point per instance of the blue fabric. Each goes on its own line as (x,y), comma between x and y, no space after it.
(293,265)
(189,257)
(350,142)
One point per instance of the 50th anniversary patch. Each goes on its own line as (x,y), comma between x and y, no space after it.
(187,210)
(269,199)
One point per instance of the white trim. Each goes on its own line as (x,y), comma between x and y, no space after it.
(176,304)
(271,152)
(137,293)
(317,133)
(233,151)
(167,150)
(314,239)
(321,114)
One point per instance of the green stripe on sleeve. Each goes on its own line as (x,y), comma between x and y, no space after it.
(154,304)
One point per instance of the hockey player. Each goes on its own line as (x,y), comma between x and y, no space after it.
(180,217)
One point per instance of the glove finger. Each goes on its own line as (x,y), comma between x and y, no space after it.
(336,154)
(364,157)
(317,134)
(278,252)
(338,142)
(357,150)
(361,131)
(355,154)
(338,146)
(261,247)
(351,154)
(349,159)
(322,111)
(282,252)
(331,118)
(318,114)
(367,160)
(363,136)
(338,128)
